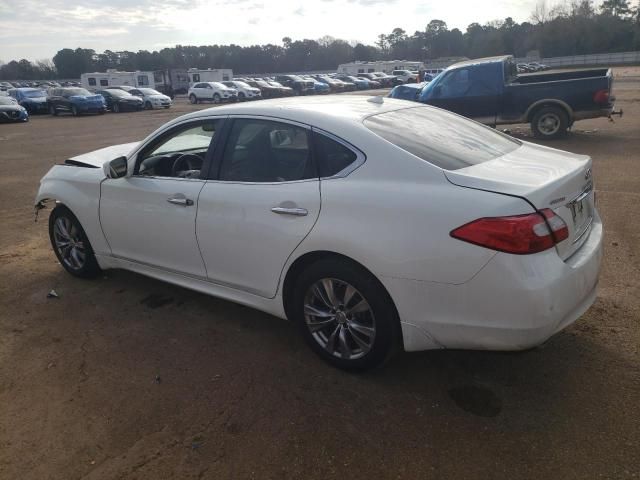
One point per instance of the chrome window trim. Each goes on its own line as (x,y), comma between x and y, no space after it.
(361,158)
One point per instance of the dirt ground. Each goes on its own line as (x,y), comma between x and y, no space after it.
(125,377)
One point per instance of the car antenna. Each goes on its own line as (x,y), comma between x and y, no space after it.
(379,99)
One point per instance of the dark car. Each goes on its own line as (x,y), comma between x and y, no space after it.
(284,91)
(268,91)
(33,99)
(121,101)
(297,84)
(75,101)
(10,111)
(374,82)
(336,86)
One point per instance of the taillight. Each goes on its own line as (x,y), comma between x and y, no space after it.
(517,234)
(601,96)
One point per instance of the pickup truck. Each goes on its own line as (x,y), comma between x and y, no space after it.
(491,91)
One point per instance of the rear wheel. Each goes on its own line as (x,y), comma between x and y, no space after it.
(345,314)
(70,244)
(193,99)
(550,123)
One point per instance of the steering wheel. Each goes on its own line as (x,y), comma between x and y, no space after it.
(186,162)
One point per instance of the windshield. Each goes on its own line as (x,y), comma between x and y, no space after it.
(442,138)
(78,91)
(240,84)
(119,93)
(261,83)
(34,93)
(149,91)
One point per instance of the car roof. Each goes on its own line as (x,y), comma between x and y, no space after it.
(322,112)
(478,61)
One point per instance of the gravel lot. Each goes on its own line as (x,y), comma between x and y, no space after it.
(125,377)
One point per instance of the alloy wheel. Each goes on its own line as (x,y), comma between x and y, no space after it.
(69,243)
(549,124)
(339,318)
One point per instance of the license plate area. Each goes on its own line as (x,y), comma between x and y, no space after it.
(581,210)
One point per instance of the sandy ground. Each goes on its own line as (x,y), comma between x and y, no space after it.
(128,378)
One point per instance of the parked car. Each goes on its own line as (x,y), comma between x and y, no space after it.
(360,83)
(11,111)
(387,80)
(33,100)
(409,91)
(491,91)
(151,98)
(497,243)
(537,67)
(214,92)
(120,101)
(374,82)
(284,91)
(266,90)
(297,84)
(336,85)
(319,87)
(245,91)
(75,101)
(405,76)
(4,86)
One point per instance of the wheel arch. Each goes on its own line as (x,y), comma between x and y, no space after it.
(308,258)
(549,102)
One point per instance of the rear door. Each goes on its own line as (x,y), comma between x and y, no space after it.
(263,198)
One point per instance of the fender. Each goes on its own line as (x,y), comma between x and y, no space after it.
(547,101)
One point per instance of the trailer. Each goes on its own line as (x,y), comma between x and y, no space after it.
(172,81)
(386,66)
(209,75)
(114,78)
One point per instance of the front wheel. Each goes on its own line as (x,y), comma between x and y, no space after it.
(216,98)
(193,99)
(345,315)
(147,106)
(71,245)
(550,123)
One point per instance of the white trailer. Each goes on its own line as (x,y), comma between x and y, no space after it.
(209,75)
(386,66)
(114,78)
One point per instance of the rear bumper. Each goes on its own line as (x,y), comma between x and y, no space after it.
(514,302)
(597,113)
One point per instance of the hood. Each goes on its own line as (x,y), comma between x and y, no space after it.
(158,97)
(11,108)
(97,158)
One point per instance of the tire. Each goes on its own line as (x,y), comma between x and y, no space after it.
(53,111)
(241,97)
(216,98)
(78,259)
(193,99)
(353,338)
(74,111)
(116,108)
(148,106)
(550,123)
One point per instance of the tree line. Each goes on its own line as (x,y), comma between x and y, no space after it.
(575,27)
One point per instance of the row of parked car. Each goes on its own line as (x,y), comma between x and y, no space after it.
(255,88)
(4,86)
(17,104)
(531,67)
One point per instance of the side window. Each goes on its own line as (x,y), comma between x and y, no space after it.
(361,70)
(370,70)
(196,77)
(92,81)
(455,84)
(179,153)
(143,80)
(332,157)
(266,151)
(103,82)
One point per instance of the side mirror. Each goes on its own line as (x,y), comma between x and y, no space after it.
(116,168)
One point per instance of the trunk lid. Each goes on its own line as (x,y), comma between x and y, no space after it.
(547,178)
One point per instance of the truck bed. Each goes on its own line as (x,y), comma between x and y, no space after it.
(552,76)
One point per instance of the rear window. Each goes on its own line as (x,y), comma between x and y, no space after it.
(441,138)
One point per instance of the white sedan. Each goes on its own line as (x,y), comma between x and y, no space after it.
(151,98)
(371,223)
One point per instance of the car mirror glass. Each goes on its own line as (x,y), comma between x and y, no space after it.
(116,168)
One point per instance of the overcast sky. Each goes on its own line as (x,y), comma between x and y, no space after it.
(37,29)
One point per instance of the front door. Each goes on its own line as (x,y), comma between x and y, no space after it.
(260,206)
(150,216)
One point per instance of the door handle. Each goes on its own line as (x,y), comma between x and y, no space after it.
(298,212)
(180,199)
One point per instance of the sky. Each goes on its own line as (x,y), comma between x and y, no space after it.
(37,29)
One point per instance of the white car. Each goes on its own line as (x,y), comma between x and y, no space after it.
(405,76)
(214,92)
(371,223)
(245,91)
(152,98)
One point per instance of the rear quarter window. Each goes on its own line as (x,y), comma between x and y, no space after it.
(441,138)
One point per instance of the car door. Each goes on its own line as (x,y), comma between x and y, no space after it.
(263,198)
(149,216)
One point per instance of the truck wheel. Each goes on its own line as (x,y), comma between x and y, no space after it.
(193,99)
(550,123)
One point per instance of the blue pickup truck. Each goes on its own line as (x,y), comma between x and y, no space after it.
(491,91)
